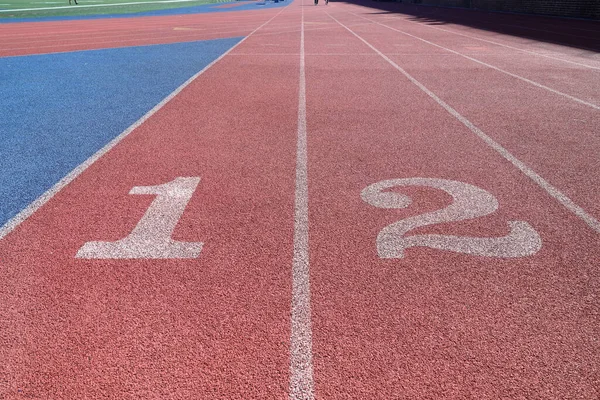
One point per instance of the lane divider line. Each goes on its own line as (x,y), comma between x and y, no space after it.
(508,46)
(544,184)
(120,34)
(15,221)
(526,27)
(104,5)
(539,85)
(188,38)
(117,27)
(301,368)
(308,54)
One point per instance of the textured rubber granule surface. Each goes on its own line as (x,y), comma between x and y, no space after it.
(434,324)
(212,327)
(452,219)
(54,37)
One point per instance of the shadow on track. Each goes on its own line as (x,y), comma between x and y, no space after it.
(582,34)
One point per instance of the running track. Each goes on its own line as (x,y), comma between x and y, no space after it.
(326,143)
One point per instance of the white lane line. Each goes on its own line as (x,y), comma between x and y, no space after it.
(301,369)
(306,54)
(82,50)
(539,85)
(544,184)
(190,38)
(102,5)
(129,36)
(50,193)
(492,22)
(556,32)
(507,46)
(110,35)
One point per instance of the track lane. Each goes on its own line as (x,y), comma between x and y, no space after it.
(553,135)
(62,47)
(435,324)
(571,31)
(25,38)
(577,81)
(216,326)
(473,23)
(554,52)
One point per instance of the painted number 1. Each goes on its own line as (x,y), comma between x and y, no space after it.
(151,238)
(469,202)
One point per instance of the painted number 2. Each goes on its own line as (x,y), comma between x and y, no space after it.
(469,202)
(151,238)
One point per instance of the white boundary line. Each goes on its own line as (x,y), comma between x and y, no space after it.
(507,46)
(544,184)
(104,5)
(45,197)
(150,33)
(191,37)
(539,85)
(301,369)
(192,40)
(515,14)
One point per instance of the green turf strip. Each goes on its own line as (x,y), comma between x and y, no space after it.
(53,8)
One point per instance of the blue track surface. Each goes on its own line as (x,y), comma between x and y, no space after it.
(59,109)
(203,9)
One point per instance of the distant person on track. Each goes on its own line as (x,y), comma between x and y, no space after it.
(74,1)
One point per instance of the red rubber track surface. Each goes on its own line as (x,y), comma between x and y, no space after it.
(552,34)
(549,72)
(60,36)
(435,324)
(165,329)
(534,120)
(520,29)
(432,325)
